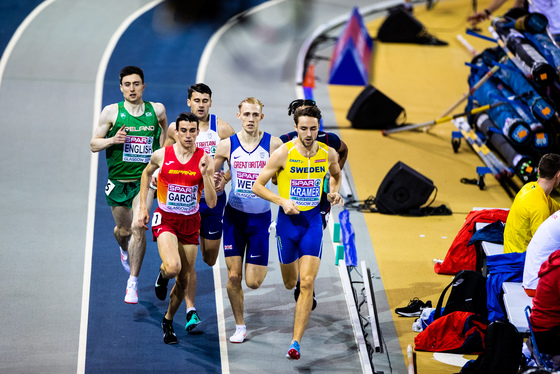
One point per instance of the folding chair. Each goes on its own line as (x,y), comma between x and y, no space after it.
(543,360)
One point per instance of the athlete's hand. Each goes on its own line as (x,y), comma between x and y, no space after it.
(289,207)
(153,182)
(219,181)
(120,136)
(476,18)
(143,218)
(204,162)
(335,198)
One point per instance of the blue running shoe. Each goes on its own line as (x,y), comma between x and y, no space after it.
(293,351)
(192,320)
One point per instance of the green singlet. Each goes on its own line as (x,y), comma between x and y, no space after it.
(127,161)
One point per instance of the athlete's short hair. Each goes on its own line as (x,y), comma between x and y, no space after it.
(251,100)
(129,70)
(299,102)
(186,116)
(200,88)
(549,165)
(308,111)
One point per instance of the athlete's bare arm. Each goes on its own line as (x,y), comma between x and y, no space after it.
(206,166)
(334,183)
(224,130)
(276,162)
(275,143)
(171,139)
(162,120)
(342,154)
(221,156)
(106,121)
(155,162)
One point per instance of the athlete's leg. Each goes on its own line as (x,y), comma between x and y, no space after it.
(290,274)
(137,245)
(254,275)
(123,222)
(309,267)
(234,289)
(210,249)
(209,257)
(187,254)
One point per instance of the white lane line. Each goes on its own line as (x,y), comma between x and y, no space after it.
(200,76)
(220,316)
(17,35)
(93,178)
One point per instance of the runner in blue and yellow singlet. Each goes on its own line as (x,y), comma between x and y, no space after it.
(300,167)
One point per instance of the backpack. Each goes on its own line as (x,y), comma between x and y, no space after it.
(468,294)
(502,351)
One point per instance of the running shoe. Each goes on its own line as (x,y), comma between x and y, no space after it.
(169,336)
(131,296)
(124,260)
(161,286)
(293,351)
(296,296)
(414,308)
(192,320)
(239,336)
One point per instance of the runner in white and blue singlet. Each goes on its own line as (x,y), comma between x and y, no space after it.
(247,217)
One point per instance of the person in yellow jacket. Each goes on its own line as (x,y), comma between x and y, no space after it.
(532,205)
(300,166)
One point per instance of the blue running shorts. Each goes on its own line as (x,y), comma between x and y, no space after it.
(299,235)
(247,231)
(211,219)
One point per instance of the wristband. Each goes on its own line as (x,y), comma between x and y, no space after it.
(488,13)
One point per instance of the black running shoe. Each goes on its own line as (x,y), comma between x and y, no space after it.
(296,295)
(169,336)
(161,286)
(414,308)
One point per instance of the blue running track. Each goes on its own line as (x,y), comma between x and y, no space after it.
(126,338)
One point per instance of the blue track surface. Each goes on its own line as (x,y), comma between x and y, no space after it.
(12,14)
(126,338)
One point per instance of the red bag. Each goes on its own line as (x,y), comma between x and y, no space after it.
(459,256)
(456,332)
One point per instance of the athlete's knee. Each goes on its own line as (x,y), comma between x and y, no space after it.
(290,283)
(122,231)
(253,283)
(235,279)
(307,283)
(210,258)
(171,269)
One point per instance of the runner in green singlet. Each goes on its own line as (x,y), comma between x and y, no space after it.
(129,132)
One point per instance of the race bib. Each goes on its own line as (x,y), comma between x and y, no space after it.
(138,149)
(109,187)
(182,198)
(305,192)
(244,184)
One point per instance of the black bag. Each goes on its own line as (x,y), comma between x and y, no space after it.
(468,294)
(502,351)
(400,26)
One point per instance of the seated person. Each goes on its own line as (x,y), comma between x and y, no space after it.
(545,317)
(545,241)
(532,205)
